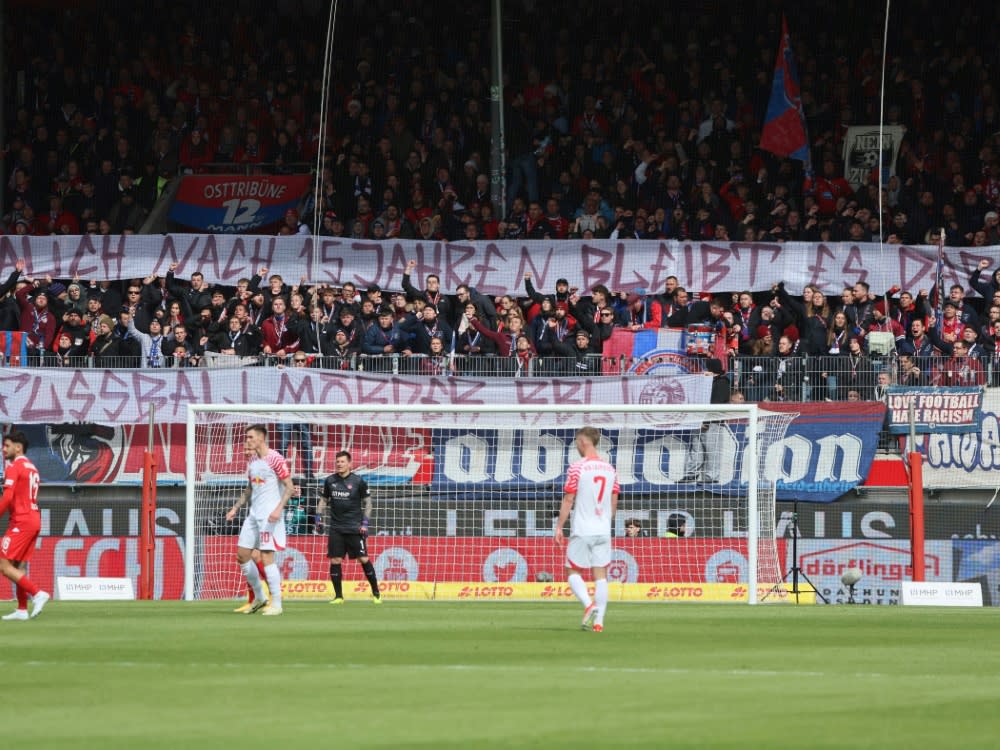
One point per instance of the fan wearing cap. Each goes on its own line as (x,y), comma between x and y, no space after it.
(349,321)
(74,327)
(37,319)
(104,347)
(332,225)
(425,326)
(580,356)
(291,223)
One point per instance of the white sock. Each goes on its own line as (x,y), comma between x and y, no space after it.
(601,599)
(249,569)
(273,583)
(579,587)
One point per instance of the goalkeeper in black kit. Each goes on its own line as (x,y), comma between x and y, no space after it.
(349,505)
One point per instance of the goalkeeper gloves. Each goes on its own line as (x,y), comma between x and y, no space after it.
(364,527)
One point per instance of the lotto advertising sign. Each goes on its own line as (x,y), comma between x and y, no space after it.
(491,561)
(236,205)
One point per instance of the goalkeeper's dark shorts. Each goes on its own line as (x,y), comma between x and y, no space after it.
(341,544)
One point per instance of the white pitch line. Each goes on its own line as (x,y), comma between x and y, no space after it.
(516,668)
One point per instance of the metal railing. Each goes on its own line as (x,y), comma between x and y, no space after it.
(843,378)
(397,364)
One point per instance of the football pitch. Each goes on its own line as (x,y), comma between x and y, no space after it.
(475,675)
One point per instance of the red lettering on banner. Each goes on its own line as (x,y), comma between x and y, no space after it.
(618,282)
(79,391)
(454,257)
(373,396)
(406,391)
(42,406)
(236,263)
(528,260)
(593,260)
(689,269)
(950,272)
(531,393)
(925,268)
(714,266)
(85,251)
(376,267)
(754,251)
(660,268)
(288,393)
(263,252)
(817,269)
(144,398)
(208,258)
(396,266)
(168,254)
(333,384)
(570,392)
(9,254)
(110,379)
(854,264)
(330,253)
(484,268)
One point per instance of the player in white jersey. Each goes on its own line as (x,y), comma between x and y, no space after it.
(591,493)
(269,485)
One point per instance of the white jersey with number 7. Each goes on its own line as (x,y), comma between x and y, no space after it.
(593,481)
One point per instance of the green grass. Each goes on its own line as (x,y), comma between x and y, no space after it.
(436,675)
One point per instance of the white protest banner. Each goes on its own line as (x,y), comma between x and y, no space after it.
(114,397)
(496,267)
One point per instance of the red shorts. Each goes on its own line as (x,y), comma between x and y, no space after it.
(18,543)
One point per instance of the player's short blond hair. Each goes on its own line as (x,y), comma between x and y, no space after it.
(591,433)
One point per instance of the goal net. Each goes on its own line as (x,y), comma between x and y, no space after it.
(466,499)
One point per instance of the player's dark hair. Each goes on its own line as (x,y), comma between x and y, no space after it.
(258,428)
(633,522)
(345,454)
(18,437)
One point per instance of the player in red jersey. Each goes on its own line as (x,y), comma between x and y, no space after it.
(20,497)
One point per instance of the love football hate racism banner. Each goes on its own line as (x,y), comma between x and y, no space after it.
(497,267)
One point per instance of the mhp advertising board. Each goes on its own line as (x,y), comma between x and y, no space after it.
(826,451)
(234,205)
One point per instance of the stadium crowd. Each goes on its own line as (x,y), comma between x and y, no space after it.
(640,130)
(771,346)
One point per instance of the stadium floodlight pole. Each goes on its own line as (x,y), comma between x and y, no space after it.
(498,166)
(324,98)
(881,129)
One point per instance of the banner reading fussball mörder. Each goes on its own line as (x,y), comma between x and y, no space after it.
(955,410)
(231,204)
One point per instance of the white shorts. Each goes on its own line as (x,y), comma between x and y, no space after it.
(257,533)
(586,552)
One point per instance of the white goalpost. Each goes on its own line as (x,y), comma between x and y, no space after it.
(466,498)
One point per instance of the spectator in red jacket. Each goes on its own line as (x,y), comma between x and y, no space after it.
(37,320)
(278,339)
